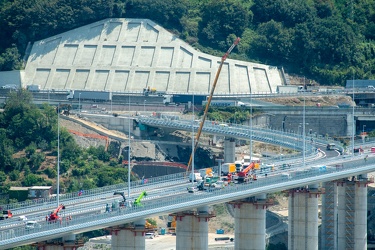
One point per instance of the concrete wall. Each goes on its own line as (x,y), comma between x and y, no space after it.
(127,55)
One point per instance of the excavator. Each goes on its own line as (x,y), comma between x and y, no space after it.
(53,217)
(64,109)
(137,201)
(188,169)
(122,203)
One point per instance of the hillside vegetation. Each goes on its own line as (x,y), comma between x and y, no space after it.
(329,41)
(28,151)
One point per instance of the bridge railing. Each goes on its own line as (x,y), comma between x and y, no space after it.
(186,201)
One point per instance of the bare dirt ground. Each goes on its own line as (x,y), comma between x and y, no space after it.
(328,100)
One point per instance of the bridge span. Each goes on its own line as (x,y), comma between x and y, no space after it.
(344,228)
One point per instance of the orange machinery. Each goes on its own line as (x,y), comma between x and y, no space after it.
(53,217)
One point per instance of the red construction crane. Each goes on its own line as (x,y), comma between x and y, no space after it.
(53,217)
(209,100)
(244,173)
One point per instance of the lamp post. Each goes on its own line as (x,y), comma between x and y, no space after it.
(58,156)
(111,102)
(129,152)
(79,102)
(192,146)
(363,135)
(353,126)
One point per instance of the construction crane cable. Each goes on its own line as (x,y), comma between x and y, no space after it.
(209,101)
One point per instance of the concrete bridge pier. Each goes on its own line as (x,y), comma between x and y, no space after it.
(229,149)
(250,223)
(68,242)
(303,218)
(130,237)
(328,230)
(192,229)
(352,213)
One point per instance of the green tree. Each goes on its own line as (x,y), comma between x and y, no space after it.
(165,12)
(6,151)
(10,59)
(221,18)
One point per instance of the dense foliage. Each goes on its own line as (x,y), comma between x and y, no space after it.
(329,41)
(28,135)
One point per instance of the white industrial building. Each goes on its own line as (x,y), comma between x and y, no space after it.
(127,55)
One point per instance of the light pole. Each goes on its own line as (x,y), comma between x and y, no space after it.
(79,103)
(58,156)
(353,126)
(111,102)
(129,152)
(251,126)
(363,135)
(304,125)
(192,145)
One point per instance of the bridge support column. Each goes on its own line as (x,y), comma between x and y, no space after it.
(328,230)
(250,223)
(192,229)
(352,213)
(68,242)
(229,149)
(303,218)
(131,237)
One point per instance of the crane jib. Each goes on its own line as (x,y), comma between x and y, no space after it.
(209,102)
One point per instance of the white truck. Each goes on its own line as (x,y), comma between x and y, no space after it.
(89,95)
(289,89)
(33,88)
(197,177)
(225,103)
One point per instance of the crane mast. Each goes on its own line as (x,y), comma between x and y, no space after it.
(209,101)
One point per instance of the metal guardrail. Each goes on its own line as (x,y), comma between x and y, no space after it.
(348,167)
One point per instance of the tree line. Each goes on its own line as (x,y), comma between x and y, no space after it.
(28,138)
(328,41)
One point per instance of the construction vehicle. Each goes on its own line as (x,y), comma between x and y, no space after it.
(228,168)
(6,214)
(241,176)
(137,201)
(121,203)
(53,217)
(152,91)
(209,102)
(64,109)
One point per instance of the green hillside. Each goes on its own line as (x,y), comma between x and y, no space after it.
(328,41)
